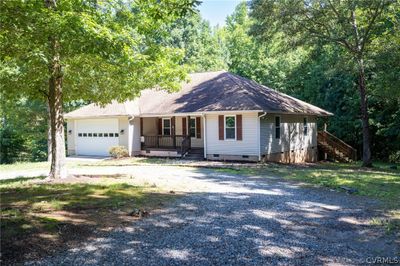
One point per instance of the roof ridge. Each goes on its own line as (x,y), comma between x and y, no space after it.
(240,85)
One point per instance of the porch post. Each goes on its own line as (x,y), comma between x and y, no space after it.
(188,132)
(159,129)
(205,136)
(173,131)
(325,129)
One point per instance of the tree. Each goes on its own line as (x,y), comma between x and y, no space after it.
(21,131)
(204,49)
(349,24)
(57,50)
(246,54)
(265,61)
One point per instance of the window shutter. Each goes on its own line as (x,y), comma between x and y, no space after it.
(239,130)
(221,127)
(173,126)
(141,126)
(198,127)
(184,131)
(159,126)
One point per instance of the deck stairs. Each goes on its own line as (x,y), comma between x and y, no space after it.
(335,148)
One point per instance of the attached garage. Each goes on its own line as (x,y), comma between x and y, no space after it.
(96,136)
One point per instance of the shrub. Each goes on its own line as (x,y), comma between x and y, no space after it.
(118,152)
(394,157)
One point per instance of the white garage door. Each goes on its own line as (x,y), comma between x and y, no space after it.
(96,136)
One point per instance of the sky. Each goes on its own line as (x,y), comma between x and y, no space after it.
(215,11)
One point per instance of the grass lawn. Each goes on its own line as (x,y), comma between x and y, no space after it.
(38,216)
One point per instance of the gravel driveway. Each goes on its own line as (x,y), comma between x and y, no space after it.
(230,219)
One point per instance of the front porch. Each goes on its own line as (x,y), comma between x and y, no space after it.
(173,136)
(178,143)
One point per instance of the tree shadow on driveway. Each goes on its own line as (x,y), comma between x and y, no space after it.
(246,221)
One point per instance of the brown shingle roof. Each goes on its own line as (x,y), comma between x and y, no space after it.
(112,109)
(213,91)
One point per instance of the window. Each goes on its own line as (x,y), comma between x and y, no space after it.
(192,127)
(79,134)
(230,127)
(277,127)
(84,134)
(105,135)
(166,125)
(111,135)
(100,135)
(89,134)
(94,134)
(116,135)
(305,126)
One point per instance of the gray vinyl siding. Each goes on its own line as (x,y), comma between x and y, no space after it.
(247,146)
(269,144)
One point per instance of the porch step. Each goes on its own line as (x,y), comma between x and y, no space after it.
(195,154)
(196,151)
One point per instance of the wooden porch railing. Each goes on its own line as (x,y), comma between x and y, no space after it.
(337,146)
(180,142)
(185,145)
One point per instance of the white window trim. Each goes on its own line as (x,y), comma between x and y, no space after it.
(280,126)
(195,127)
(162,126)
(305,125)
(225,116)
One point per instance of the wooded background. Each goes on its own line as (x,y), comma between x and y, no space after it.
(320,73)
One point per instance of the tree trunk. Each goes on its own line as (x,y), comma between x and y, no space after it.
(366,156)
(367,160)
(57,169)
(48,133)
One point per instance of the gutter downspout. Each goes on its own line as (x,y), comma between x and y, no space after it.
(259,134)
(130,135)
(205,135)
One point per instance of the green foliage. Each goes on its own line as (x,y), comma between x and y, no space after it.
(204,48)
(118,152)
(23,133)
(395,157)
(271,48)
(109,49)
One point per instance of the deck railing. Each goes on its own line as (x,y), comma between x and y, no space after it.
(337,145)
(167,142)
